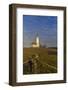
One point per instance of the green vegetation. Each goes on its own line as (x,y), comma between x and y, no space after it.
(45,63)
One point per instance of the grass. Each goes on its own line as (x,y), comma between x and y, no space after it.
(46,63)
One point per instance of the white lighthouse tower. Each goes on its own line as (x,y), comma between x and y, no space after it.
(37,42)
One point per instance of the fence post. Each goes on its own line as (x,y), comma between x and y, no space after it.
(35,66)
(30,66)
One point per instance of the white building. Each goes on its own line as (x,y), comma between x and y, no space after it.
(37,42)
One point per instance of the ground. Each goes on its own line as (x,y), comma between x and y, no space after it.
(45,63)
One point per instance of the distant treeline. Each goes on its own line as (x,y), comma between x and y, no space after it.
(44,46)
(52,47)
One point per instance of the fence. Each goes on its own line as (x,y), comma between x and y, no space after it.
(35,66)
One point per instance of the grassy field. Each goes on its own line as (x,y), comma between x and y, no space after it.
(46,63)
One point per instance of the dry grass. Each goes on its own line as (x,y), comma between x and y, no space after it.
(47,59)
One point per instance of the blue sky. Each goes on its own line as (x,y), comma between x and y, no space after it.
(45,26)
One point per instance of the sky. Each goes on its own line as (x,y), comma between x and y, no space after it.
(44,26)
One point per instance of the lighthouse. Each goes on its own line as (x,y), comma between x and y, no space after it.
(37,42)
